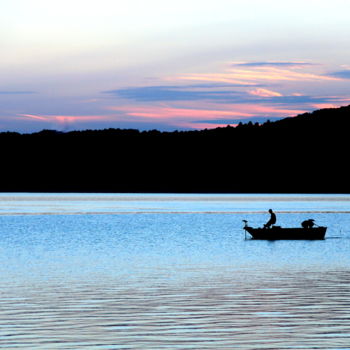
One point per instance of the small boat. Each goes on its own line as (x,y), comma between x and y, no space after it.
(278,232)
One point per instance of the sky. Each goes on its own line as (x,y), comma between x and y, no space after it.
(169,65)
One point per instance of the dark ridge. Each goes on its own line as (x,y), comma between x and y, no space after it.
(308,153)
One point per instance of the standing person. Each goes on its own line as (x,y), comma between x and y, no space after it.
(272,220)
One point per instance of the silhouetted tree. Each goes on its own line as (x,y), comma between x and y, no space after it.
(310,150)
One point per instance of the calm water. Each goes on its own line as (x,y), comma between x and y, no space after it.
(171,272)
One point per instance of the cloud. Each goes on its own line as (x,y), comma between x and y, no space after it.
(61,118)
(245,91)
(298,100)
(214,85)
(195,118)
(63,122)
(160,112)
(273,64)
(17,92)
(264,93)
(168,93)
(343,74)
(216,78)
(290,100)
(221,96)
(276,74)
(66,123)
(175,93)
(33,116)
(252,75)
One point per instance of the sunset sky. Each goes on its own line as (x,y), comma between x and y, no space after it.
(167,65)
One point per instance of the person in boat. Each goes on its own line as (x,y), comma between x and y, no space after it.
(272,220)
(308,223)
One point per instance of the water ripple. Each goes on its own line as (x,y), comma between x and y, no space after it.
(279,311)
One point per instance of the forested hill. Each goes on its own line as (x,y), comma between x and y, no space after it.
(307,153)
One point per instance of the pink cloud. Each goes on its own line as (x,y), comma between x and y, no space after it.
(325,105)
(214,78)
(65,118)
(196,118)
(277,74)
(160,112)
(32,116)
(266,111)
(252,75)
(65,121)
(264,93)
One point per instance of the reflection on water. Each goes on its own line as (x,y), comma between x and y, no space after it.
(170,280)
(269,310)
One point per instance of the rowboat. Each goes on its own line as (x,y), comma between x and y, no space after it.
(278,232)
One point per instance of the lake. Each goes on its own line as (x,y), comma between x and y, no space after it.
(171,271)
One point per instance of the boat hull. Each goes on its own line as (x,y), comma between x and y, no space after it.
(278,233)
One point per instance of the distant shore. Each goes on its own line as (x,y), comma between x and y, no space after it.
(303,154)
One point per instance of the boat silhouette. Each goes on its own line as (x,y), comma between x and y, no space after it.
(286,233)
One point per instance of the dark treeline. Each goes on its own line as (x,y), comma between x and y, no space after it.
(304,154)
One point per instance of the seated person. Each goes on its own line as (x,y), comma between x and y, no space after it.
(272,220)
(308,223)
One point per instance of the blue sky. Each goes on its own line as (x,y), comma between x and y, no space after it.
(167,65)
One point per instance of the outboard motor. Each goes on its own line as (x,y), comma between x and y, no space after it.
(244,228)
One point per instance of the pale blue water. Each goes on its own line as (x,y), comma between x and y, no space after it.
(91,271)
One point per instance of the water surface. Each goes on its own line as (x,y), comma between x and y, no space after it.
(135,271)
